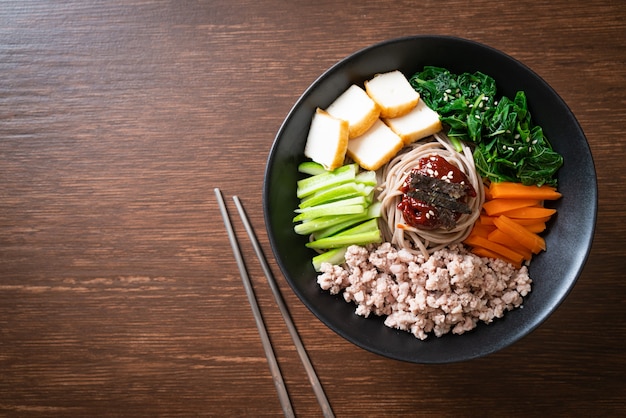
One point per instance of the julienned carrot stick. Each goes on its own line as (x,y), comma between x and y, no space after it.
(488,220)
(483,252)
(501,238)
(498,206)
(526,238)
(536,227)
(482,230)
(510,190)
(529,221)
(477,241)
(512,217)
(528,212)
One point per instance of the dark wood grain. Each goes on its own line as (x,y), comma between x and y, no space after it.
(119,294)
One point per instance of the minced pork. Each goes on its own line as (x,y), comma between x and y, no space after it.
(450,291)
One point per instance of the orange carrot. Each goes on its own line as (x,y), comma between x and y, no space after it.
(501,238)
(476,241)
(512,217)
(536,227)
(528,239)
(498,206)
(510,190)
(482,230)
(488,220)
(530,221)
(528,212)
(483,252)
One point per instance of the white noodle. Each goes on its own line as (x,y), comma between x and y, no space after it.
(391,179)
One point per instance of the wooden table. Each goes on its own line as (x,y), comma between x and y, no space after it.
(119,293)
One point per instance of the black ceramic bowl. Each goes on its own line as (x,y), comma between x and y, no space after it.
(568,237)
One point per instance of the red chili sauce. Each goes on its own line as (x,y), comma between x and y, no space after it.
(435,194)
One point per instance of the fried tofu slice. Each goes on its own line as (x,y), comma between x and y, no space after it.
(419,123)
(357,108)
(327,141)
(393,93)
(375,147)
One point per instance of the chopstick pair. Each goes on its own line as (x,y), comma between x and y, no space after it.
(267,345)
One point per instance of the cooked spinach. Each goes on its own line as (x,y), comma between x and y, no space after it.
(508,145)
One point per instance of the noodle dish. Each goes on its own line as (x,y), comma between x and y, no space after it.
(426,197)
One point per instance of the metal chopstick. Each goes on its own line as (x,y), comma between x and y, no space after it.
(267,345)
(315,383)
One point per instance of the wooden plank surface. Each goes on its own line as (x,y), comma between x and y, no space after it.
(119,294)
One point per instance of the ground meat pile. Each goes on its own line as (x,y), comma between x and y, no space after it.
(451,291)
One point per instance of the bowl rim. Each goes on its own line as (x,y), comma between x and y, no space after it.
(544,313)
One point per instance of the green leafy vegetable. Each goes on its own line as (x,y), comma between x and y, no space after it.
(508,146)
